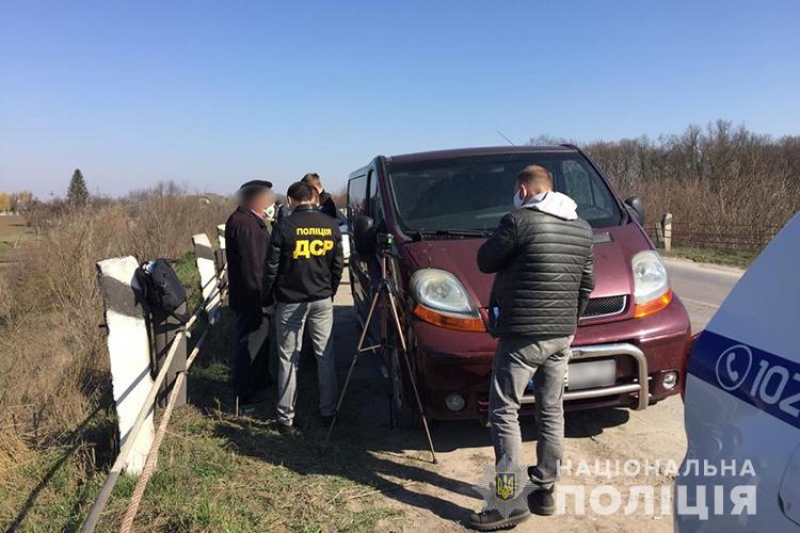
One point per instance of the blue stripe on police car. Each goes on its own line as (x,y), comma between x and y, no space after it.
(767,381)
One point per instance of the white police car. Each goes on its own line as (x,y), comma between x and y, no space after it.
(742,404)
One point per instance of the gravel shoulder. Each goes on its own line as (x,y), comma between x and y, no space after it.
(438,498)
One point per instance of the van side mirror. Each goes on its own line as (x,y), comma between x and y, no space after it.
(636,206)
(364,235)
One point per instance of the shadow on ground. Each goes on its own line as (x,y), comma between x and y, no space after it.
(364,448)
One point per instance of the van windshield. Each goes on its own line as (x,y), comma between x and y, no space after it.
(475,192)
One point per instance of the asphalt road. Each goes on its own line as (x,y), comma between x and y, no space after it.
(439,498)
(701,288)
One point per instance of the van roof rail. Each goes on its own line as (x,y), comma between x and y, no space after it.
(570,145)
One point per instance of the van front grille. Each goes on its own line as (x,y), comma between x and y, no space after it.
(607,306)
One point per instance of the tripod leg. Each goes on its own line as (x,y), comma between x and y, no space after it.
(341,399)
(403,346)
(365,331)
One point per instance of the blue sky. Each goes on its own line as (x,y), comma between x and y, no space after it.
(211,94)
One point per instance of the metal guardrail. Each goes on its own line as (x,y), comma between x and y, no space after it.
(742,237)
(114,473)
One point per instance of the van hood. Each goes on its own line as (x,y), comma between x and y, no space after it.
(613,250)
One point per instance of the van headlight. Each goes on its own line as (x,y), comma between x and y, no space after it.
(651,289)
(442,300)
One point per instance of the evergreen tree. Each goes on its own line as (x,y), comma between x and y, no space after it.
(77,193)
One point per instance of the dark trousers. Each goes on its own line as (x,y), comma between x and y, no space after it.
(251,368)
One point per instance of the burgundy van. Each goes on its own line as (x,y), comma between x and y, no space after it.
(440,207)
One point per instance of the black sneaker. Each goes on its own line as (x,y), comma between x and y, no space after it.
(287,431)
(541,502)
(493,520)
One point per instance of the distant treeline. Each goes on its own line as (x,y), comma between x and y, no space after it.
(15,201)
(718,180)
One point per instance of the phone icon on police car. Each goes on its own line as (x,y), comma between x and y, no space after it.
(732,373)
(733,366)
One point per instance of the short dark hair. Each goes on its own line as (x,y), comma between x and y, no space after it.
(253,188)
(312,178)
(533,175)
(300,192)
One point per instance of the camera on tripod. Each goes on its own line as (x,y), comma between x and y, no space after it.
(368,242)
(385,241)
(368,239)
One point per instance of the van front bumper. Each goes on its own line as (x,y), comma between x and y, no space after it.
(646,351)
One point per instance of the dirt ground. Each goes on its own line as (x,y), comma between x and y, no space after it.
(438,498)
(12,230)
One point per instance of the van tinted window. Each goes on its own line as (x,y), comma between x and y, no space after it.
(375,209)
(356,196)
(476,192)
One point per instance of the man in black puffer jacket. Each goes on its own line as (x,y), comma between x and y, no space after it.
(542,255)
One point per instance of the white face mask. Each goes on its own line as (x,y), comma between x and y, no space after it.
(518,202)
(269,212)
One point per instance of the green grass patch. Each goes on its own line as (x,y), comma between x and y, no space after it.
(216,472)
(186,269)
(205,483)
(740,259)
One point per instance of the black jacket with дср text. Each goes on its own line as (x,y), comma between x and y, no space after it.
(305,260)
(545,273)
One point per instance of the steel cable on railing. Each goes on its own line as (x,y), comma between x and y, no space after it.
(152,456)
(116,469)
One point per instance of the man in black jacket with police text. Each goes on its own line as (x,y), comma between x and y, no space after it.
(304,268)
(542,255)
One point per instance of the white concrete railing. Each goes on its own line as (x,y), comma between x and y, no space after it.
(135,390)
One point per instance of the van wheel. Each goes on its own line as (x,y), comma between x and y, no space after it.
(403,406)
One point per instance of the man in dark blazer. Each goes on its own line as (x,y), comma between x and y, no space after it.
(247,241)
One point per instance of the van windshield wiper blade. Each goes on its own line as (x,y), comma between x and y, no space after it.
(457,232)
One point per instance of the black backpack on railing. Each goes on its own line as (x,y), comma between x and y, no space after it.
(163,289)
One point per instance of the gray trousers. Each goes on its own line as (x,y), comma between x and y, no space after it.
(516,361)
(291,320)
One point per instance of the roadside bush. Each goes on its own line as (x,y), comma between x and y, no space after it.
(53,359)
(726,186)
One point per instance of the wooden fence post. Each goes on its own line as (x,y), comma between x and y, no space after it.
(129,352)
(666,230)
(209,281)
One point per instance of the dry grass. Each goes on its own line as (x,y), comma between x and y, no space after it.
(53,361)
(13,231)
(57,426)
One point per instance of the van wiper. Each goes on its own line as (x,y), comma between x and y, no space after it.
(457,232)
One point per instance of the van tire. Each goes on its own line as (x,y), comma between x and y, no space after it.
(402,404)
